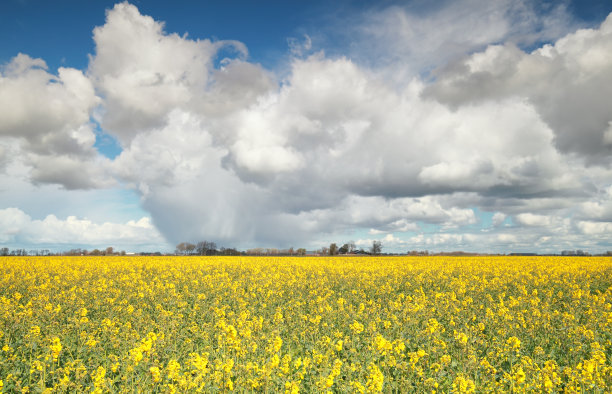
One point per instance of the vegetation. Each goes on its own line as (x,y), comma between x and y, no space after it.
(271,324)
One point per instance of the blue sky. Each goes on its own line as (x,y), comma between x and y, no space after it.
(447,125)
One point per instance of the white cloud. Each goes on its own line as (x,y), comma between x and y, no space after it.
(595,227)
(146,77)
(298,47)
(530,219)
(498,218)
(507,238)
(18,228)
(45,119)
(334,147)
(35,104)
(567,82)
(413,38)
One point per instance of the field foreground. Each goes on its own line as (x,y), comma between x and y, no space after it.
(355,324)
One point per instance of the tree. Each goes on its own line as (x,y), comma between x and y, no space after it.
(352,247)
(109,251)
(376,247)
(205,248)
(180,248)
(189,248)
(301,252)
(343,249)
(333,249)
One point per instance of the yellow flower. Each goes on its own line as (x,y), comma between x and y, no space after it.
(514,343)
(56,348)
(356,327)
(461,338)
(173,369)
(155,373)
(519,376)
(462,384)
(292,387)
(35,331)
(375,379)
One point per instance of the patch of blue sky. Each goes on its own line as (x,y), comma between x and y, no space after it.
(484,219)
(123,203)
(106,144)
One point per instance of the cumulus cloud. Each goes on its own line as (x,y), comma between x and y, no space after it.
(18,228)
(595,227)
(331,148)
(530,219)
(49,116)
(566,82)
(144,78)
(498,218)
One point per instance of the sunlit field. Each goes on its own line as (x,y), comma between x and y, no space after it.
(341,324)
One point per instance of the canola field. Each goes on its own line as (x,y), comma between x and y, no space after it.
(279,324)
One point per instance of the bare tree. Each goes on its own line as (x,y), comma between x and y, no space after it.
(205,248)
(189,248)
(181,248)
(376,247)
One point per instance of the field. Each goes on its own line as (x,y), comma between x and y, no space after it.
(354,324)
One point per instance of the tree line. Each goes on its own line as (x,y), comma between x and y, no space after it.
(110,251)
(208,248)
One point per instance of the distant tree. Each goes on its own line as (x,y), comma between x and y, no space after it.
(95,252)
(109,251)
(333,249)
(290,252)
(301,252)
(352,247)
(4,251)
(230,252)
(205,248)
(324,250)
(343,249)
(189,248)
(376,247)
(201,248)
(180,248)
(255,252)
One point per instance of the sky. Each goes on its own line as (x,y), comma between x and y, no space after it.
(474,125)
